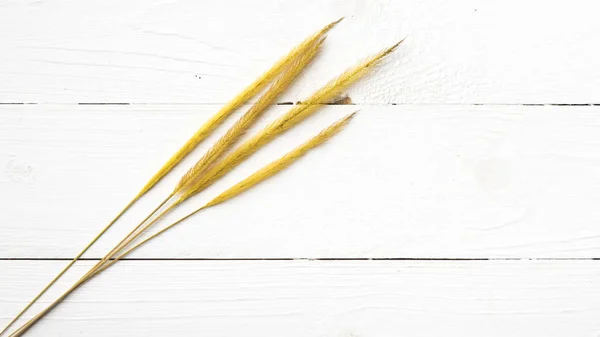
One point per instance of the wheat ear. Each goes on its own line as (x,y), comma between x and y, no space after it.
(198,137)
(254,179)
(290,119)
(282,163)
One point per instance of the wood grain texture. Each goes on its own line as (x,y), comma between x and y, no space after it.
(468,51)
(401,181)
(318,298)
(447,159)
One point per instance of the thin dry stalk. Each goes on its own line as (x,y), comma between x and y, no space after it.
(69,265)
(126,239)
(290,119)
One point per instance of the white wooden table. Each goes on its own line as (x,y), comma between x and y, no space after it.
(464,200)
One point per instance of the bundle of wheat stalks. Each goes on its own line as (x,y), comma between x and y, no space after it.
(221,158)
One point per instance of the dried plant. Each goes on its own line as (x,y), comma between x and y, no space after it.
(249,92)
(212,167)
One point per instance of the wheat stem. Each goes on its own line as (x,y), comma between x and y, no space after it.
(130,250)
(71,263)
(94,270)
(121,243)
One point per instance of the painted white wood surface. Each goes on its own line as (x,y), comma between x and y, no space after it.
(468,51)
(458,167)
(319,298)
(401,181)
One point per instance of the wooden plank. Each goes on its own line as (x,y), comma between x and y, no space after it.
(317,298)
(401,181)
(464,51)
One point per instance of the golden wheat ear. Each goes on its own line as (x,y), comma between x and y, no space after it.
(282,163)
(292,118)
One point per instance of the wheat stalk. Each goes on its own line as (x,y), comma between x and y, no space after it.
(254,179)
(287,121)
(198,137)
